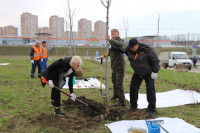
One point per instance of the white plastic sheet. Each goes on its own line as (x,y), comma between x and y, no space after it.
(4,64)
(87,83)
(172,125)
(172,98)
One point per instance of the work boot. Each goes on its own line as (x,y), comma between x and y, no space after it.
(131,109)
(114,97)
(59,112)
(120,104)
(150,113)
(32,76)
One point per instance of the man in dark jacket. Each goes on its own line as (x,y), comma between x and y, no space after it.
(55,75)
(194,60)
(118,66)
(145,64)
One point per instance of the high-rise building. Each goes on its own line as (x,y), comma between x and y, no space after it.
(84,28)
(100,29)
(9,31)
(67,34)
(56,26)
(1,30)
(29,24)
(43,30)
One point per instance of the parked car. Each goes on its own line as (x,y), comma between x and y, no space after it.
(177,58)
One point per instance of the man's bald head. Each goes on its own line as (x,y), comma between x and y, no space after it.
(37,43)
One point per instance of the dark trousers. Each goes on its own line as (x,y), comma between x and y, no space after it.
(55,96)
(194,64)
(150,89)
(43,64)
(118,89)
(34,65)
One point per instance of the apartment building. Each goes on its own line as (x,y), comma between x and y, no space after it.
(84,28)
(29,24)
(67,34)
(56,26)
(9,31)
(100,29)
(43,30)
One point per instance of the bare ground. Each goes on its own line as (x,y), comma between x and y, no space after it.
(80,117)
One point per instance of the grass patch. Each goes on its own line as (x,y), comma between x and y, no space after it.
(23,99)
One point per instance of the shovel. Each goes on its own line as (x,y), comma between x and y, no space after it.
(90,106)
(71,96)
(101,70)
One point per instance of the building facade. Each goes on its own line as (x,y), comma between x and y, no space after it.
(84,28)
(43,30)
(100,29)
(29,25)
(56,26)
(67,34)
(9,31)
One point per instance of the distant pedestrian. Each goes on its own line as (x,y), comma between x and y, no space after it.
(36,57)
(44,56)
(194,60)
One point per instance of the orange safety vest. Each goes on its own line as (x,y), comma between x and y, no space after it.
(44,52)
(37,53)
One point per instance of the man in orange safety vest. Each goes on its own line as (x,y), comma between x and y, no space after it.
(44,56)
(36,58)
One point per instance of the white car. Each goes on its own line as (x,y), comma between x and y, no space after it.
(177,58)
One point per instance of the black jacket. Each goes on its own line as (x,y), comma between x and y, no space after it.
(57,73)
(144,61)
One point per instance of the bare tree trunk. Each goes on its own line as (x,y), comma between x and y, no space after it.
(126,27)
(158,34)
(70,14)
(107,27)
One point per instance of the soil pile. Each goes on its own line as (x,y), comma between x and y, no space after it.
(80,117)
(94,109)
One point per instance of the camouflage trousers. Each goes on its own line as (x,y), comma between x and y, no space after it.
(118,89)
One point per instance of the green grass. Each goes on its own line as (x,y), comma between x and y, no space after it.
(23,99)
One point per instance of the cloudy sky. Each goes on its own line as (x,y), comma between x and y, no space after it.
(176,16)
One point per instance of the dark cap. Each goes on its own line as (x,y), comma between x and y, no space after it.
(132,43)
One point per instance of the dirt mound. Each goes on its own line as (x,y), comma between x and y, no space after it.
(94,109)
(80,117)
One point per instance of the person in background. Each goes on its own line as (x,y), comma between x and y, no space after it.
(145,64)
(36,58)
(44,56)
(55,76)
(194,60)
(117,66)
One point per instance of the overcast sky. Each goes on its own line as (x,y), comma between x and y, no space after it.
(176,16)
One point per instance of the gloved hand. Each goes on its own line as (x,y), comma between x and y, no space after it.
(32,61)
(41,60)
(51,83)
(153,75)
(73,97)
